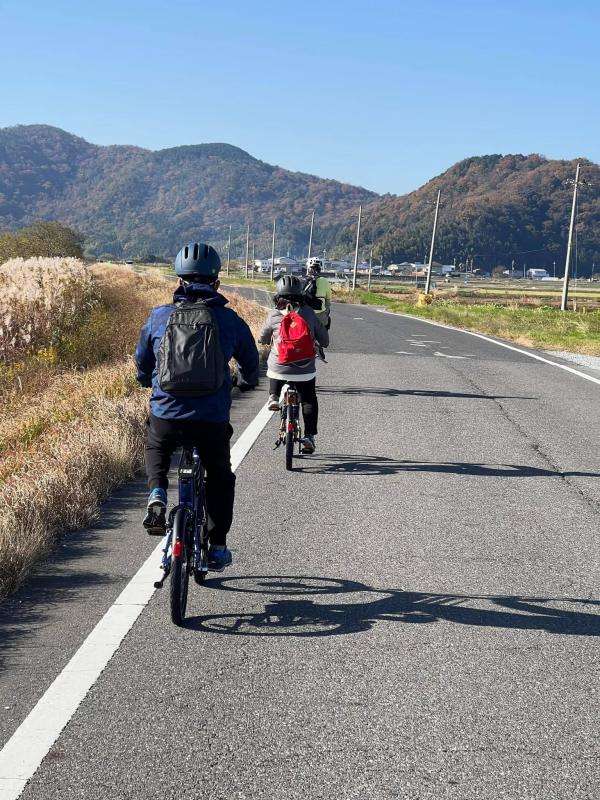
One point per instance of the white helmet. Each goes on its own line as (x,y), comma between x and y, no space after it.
(315,264)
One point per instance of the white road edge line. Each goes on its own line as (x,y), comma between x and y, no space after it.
(24,751)
(494,341)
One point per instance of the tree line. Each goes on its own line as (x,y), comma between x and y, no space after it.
(51,239)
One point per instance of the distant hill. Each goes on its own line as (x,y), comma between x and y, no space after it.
(132,202)
(495,208)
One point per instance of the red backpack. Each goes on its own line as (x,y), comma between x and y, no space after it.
(295,342)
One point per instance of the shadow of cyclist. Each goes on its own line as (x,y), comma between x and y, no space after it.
(385,391)
(290,610)
(362,464)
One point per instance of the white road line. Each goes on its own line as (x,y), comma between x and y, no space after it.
(494,341)
(24,751)
(447,355)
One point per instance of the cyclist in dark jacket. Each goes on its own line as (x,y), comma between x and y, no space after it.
(203,421)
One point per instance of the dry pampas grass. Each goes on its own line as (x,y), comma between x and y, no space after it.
(74,416)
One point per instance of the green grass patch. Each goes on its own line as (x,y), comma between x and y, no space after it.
(545,328)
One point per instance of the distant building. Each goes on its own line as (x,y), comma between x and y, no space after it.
(537,274)
(282,264)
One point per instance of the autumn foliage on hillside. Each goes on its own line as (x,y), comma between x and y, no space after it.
(494,208)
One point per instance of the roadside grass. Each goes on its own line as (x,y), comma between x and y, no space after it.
(537,326)
(74,416)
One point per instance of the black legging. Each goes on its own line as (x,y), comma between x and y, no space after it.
(164,436)
(308,397)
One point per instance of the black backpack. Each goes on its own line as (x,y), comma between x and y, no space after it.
(190,360)
(310,295)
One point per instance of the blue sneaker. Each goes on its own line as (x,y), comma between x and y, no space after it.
(219,558)
(155,521)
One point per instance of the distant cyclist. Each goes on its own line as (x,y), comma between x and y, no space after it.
(188,370)
(289,297)
(318,291)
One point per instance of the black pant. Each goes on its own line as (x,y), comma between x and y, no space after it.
(212,441)
(308,397)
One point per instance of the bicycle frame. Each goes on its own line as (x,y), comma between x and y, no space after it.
(290,431)
(192,496)
(289,401)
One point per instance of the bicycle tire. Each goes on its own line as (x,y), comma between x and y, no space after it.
(289,450)
(180,568)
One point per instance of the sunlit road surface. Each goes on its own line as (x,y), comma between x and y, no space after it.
(412,612)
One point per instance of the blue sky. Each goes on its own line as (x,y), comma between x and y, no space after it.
(381,93)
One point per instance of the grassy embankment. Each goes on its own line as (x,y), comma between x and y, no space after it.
(530,324)
(73,417)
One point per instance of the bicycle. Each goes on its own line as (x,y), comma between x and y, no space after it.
(290,431)
(185,549)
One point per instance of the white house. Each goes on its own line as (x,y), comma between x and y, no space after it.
(537,274)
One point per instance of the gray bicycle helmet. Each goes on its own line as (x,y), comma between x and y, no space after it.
(197,260)
(289,286)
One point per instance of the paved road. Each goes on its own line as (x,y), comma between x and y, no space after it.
(412,613)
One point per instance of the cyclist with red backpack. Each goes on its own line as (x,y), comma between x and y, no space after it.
(292,328)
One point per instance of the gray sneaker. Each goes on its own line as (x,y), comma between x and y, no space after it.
(155,521)
(307,447)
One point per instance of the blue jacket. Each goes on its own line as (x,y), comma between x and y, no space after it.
(236,342)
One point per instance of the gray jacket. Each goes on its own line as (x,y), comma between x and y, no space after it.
(300,370)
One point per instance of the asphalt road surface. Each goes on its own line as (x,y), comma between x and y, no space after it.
(412,613)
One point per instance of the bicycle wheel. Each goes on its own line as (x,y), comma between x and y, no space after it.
(289,450)
(180,566)
(290,435)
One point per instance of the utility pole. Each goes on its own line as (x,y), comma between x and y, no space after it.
(356,248)
(435,219)
(229,251)
(253,258)
(273,250)
(565,291)
(370,270)
(312,222)
(554,269)
(247,246)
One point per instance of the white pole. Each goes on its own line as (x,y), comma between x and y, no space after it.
(565,291)
(370,270)
(229,251)
(356,248)
(273,250)
(310,238)
(247,246)
(435,219)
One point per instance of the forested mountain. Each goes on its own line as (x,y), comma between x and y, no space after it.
(494,208)
(130,202)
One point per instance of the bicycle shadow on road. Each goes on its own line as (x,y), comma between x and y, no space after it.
(291,611)
(360,464)
(391,392)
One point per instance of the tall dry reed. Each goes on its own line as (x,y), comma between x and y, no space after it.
(73,426)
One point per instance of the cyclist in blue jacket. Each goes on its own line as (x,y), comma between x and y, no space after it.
(201,421)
